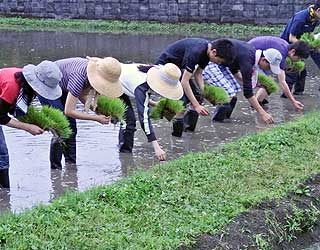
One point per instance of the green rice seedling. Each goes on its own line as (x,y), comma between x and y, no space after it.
(59,122)
(49,119)
(309,39)
(166,108)
(268,83)
(294,66)
(113,107)
(215,95)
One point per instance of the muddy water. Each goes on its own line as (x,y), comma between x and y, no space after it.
(98,160)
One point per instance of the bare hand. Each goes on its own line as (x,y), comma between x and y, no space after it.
(103,119)
(161,154)
(267,118)
(298,105)
(34,129)
(201,110)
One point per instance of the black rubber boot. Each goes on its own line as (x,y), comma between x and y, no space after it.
(233,103)
(221,112)
(126,139)
(177,126)
(70,151)
(4,178)
(300,84)
(56,151)
(190,120)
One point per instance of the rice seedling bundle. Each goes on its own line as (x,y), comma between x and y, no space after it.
(215,95)
(166,108)
(268,82)
(113,107)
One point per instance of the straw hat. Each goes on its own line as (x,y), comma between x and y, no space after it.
(164,79)
(103,75)
(44,78)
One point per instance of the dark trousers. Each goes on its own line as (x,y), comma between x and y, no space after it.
(225,110)
(126,132)
(66,147)
(4,162)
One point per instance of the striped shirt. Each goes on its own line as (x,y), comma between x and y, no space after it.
(74,71)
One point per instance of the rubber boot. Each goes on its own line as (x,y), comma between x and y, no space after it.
(221,112)
(126,139)
(233,103)
(177,126)
(300,84)
(190,120)
(56,151)
(70,151)
(4,178)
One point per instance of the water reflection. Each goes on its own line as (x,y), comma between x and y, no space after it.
(98,159)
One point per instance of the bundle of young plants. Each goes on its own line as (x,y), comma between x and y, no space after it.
(50,119)
(294,66)
(268,82)
(215,95)
(309,38)
(113,107)
(166,108)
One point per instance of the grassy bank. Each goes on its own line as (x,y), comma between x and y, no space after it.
(166,206)
(188,29)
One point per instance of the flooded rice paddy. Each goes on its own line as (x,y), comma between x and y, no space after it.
(98,160)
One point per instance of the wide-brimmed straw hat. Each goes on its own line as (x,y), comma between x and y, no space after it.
(44,79)
(103,75)
(164,79)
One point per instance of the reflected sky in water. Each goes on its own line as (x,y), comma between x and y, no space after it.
(98,160)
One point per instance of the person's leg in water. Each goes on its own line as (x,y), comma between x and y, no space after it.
(127,129)
(58,147)
(315,55)
(191,117)
(300,83)
(4,162)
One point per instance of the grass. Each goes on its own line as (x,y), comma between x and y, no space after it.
(50,119)
(215,95)
(294,66)
(268,82)
(185,29)
(113,107)
(166,206)
(166,108)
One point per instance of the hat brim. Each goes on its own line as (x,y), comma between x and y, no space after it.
(101,85)
(43,90)
(275,69)
(161,87)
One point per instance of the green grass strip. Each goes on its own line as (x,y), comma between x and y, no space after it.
(113,107)
(216,30)
(166,206)
(166,108)
(268,82)
(215,95)
(294,66)
(48,118)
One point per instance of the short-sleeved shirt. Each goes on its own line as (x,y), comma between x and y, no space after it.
(300,23)
(75,78)
(9,88)
(267,42)
(186,54)
(244,61)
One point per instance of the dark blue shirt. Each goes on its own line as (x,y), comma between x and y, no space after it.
(267,42)
(300,23)
(186,54)
(244,61)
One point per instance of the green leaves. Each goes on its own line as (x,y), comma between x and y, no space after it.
(268,83)
(166,108)
(294,66)
(113,107)
(215,95)
(48,118)
(309,39)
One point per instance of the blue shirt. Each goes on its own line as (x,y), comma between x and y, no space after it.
(267,42)
(186,54)
(300,23)
(74,75)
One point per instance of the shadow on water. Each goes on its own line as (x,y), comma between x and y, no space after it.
(98,160)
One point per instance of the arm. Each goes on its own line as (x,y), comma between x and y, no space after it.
(266,117)
(199,78)
(70,110)
(188,91)
(13,123)
(142,102)
(284,86)
(293,38)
